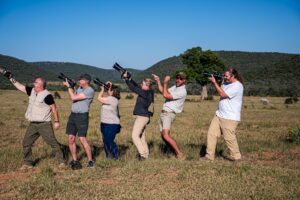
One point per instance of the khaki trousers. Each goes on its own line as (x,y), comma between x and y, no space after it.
(138,135)
(226,127)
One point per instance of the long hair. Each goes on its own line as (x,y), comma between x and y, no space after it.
(116,91)
(236,74)
(148,82)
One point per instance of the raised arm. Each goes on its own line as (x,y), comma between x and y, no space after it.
(218,88)
(166,93)
(18,85)
(159,85)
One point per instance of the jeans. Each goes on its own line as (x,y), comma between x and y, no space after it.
(109,132)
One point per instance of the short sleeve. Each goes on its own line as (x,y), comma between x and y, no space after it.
(49,100)
(177,94)
(89,93)
(28,90)
(234,90)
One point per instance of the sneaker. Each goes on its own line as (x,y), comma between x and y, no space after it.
(75,164)
(204,158)
(90,164)
(62,165)
(25,167)
(181,156)
(141,158)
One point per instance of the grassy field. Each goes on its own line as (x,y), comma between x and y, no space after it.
(270,168)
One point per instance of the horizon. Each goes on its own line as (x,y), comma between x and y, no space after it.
(138,34)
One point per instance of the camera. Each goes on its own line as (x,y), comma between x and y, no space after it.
(71,82)
(6,73)
(217,75)
(120,69)
(100,83)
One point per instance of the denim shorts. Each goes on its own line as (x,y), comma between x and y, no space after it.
(78,124)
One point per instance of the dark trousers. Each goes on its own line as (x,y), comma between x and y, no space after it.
(109,132)
(34,131)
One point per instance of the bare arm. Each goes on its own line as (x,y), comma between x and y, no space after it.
(18,85)
(159,85)
(55,116)
(101,97)
(73,96)
(218,88)
(166,93)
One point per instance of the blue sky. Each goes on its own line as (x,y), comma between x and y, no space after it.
(139,33)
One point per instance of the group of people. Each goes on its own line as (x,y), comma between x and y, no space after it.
(42,105)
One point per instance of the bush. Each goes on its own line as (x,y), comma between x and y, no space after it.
(209,97)
(294,135)
(129,96)
(288,101)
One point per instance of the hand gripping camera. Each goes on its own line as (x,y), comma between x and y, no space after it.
(100,83)
(6,73)
(122,71)
(63,77)
(217,75)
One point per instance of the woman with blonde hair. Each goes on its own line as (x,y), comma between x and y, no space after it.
(141,112)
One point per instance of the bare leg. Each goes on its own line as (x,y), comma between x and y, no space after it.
(72,147)
(86,147)
(167,137)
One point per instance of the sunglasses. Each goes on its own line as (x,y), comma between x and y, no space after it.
(179,77)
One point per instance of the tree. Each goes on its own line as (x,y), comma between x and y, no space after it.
(197,62)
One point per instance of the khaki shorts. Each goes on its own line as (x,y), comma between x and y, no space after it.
(166,119)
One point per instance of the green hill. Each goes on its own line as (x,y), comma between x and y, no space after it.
(274,74)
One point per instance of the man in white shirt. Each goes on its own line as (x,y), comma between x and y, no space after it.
(175,97)
(227,116)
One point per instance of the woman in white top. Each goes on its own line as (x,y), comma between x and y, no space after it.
(110,120)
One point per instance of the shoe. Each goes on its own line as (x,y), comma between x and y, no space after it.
(75,164)
(232,159)
(181,156)
(90,164)
(25,167)
(204,158)
(62,165)
(141,158)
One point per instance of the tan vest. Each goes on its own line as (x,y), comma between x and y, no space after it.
(38,110)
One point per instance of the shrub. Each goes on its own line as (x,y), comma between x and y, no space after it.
(57,95)
(288,101)
(129,96)
(294,135)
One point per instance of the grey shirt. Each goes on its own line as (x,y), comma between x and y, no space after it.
(82,106)
(110,111)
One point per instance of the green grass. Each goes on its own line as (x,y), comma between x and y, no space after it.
(270,168)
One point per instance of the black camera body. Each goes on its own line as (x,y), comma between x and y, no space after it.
(100,83)
(122,71)
(6,73)
(217,75)
(63,77)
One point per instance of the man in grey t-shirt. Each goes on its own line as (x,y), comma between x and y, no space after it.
(79,118)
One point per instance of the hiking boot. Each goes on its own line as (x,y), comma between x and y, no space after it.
(25,167)
(75,164)
(140,158)
(90,164)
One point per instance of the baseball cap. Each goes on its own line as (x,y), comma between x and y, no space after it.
(85,76)
(181,75)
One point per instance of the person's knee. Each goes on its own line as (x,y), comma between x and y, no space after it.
(165,134)
(83,140)
(71,139)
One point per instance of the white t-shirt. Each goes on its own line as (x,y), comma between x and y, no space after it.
(175,104)
(110,112)
(230,107)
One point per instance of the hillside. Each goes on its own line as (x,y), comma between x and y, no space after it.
(22,70)
(264,73)
(73,70)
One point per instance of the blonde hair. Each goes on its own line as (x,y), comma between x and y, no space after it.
(148,82)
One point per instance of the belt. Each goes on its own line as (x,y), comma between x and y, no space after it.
(163,111)
(37,122)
